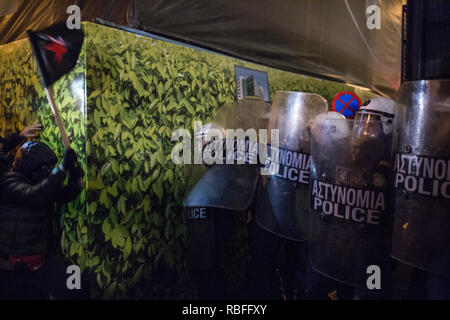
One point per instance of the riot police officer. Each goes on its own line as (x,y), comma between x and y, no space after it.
(282,203)
(421,231)
(350,222)
(208,231)
(220,189)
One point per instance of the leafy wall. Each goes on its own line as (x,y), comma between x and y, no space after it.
(127,229)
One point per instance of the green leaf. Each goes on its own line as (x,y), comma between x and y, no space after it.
(106,228)
(113,190)
(123,231)
(141,184)
(146,204)
(110,292)
(94,94)
(155,173)
(103,197)
(122,204)
(134,185)
(100,283)
(113,216)
(136,83)
(129,153)
(115,166)
(106,270)
(92,207)
(95,261)
(137,276)
(188,106)
(160,89)
(169,176)
(171,105)
(114,110)
(168,210)
(95,184)
(147,183)
(117,238)
(154,234)
(73,249)
(156,219)
(158,189)
(127,248)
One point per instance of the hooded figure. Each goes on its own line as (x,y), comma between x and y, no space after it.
(27,197)
(8,143)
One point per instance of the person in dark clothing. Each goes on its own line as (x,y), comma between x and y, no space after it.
(8,143)
(27,197)
(210,276)
(425,285)
(264,281)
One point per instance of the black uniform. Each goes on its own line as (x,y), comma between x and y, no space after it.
(209,230)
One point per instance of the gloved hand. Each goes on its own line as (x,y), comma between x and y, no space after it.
(77,171)
(69,161)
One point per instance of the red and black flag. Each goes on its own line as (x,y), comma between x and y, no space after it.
(56,49)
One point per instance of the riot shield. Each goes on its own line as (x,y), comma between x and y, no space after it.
(421,235)
(224,184)
(201,251)
(350,208)
(228,177)
(283,195)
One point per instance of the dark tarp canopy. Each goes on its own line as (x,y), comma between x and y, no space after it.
(18,16)
(327,38)
(323,38)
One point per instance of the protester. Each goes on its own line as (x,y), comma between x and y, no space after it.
(27,197)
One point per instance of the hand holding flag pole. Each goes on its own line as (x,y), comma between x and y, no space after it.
(56,50)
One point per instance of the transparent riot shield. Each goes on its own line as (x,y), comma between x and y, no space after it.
(421,235)
(226,177)
(350,198)
(201,249)
(283,195)
(228,174)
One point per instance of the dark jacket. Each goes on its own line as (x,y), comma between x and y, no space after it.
(26,210)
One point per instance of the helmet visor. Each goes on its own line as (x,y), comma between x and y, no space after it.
(367,126)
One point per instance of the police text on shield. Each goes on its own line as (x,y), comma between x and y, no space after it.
(358,205)
(423,175)
(289,165)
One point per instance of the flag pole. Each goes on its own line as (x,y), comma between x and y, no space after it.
(51,100)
